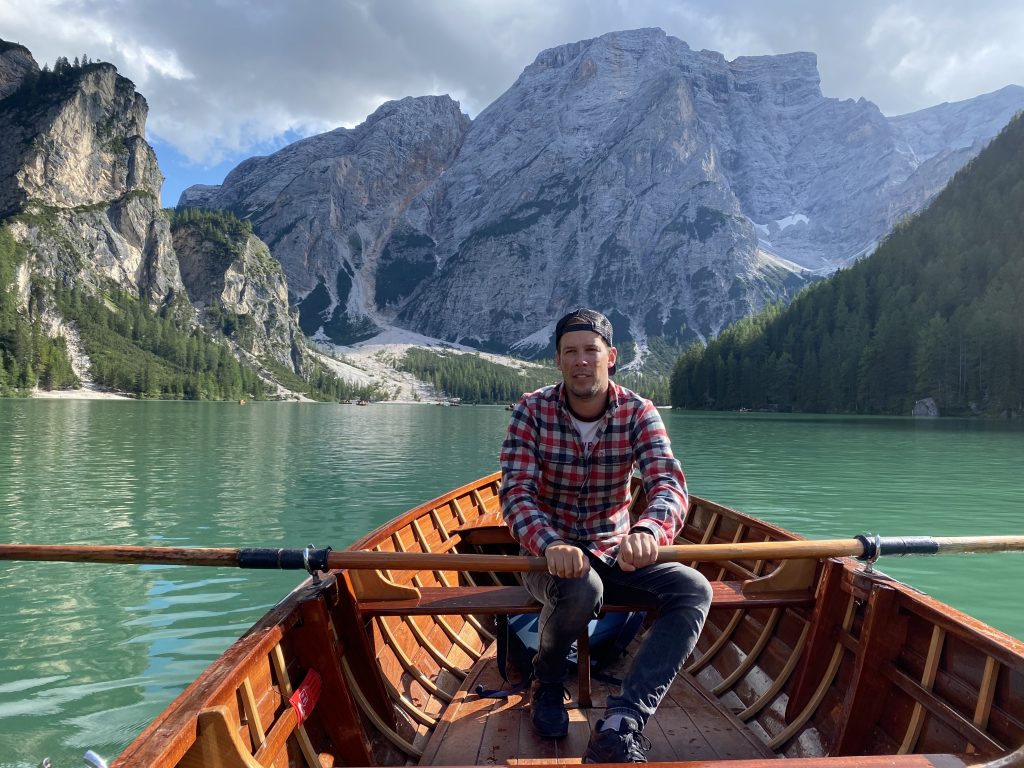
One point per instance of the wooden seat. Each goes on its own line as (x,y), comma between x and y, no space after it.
(438,601)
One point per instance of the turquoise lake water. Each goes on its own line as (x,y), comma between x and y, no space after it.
(91,653)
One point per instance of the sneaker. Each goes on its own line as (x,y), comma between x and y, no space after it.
(548,714)
(626,745)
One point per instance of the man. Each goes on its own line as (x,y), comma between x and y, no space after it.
(567,460)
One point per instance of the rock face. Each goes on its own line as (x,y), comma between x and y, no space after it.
(80,189)
(327,205)
(597,179)
(234,279)
(75,164)
(925,407)
(16,63)
(670,188)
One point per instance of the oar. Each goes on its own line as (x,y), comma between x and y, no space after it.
(864,547)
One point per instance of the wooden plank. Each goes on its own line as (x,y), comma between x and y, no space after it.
(939,708)
(685,740)
(727,735)
(571,748)
(510,600)
(316,645)
(882,635)
(825,623)
(866,761)
(457,737)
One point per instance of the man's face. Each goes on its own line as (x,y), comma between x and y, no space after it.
(584,358)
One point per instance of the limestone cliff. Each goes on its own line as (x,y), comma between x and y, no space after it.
(239,289)
(80,190)
(83,184)
(671,188)
(327,206)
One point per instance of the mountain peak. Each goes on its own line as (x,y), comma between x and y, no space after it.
(673,189)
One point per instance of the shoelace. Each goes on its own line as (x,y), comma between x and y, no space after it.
(637,746)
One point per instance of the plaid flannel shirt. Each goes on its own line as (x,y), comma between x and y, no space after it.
(550,492)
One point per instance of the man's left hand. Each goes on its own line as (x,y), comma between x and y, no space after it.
(637,550)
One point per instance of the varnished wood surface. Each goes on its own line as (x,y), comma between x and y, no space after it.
(512,600)
(898,670)
(688,725)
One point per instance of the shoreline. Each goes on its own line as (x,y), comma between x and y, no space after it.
(85,393)
(88,393)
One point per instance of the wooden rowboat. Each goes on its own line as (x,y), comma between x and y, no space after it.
(824,661)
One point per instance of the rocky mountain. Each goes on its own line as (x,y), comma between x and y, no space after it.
(75,164)
(238,288)
(328,205)
(671,188)
(79,193)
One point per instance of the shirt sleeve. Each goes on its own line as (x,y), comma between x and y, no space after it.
(520,481)
(667,496)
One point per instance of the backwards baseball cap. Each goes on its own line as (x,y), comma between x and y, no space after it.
(585,320)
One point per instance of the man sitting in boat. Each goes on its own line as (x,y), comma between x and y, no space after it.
(566,462)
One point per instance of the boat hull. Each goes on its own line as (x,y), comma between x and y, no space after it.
(824,661)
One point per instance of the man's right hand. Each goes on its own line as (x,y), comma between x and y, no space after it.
(566,561)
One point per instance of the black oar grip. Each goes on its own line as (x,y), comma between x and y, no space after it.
(880,546)
(284,559)
(909,545)
(308,559)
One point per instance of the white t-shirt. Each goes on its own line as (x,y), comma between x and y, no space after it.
(587,430)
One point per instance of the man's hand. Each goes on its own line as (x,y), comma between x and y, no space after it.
(566,561)
(637,550)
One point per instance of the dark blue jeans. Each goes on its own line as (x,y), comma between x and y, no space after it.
(682,596)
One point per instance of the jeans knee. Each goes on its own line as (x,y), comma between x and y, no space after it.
(691,590)
(585,593)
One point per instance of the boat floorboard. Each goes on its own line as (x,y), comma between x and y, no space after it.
(486,731)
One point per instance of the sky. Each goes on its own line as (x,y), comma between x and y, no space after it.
(229,79)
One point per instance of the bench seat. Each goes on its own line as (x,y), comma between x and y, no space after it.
(435,601)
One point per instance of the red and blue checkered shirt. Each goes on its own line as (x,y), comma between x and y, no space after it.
(551,492)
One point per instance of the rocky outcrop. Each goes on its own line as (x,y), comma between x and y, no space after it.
(926,407)
(16,63)
(84,184)
(671,188)
(235,284)
(327,205)
(80,190)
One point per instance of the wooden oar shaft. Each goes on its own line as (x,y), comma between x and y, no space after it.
(769,550)
(70,553)
(956,544)
(301,559)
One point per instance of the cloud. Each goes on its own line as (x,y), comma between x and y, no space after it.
(236,77)
(944,53)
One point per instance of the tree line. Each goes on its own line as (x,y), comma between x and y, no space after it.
(28,357)
(934,312)
(474,379)
(152,353)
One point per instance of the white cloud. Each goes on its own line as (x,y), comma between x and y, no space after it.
(230,78)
